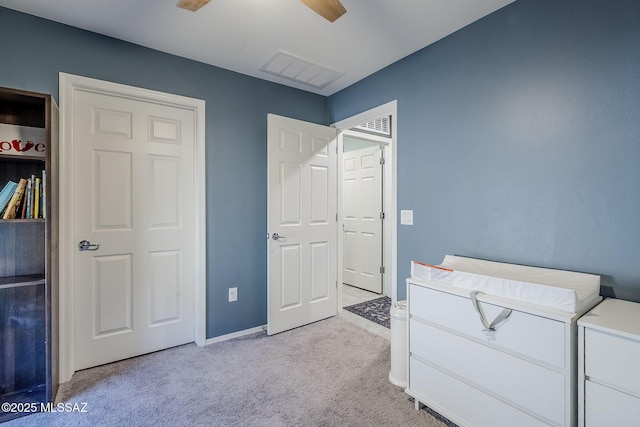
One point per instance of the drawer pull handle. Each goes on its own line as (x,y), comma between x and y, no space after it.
(489,327)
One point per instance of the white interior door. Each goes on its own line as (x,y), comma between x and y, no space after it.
(362,222)
(133,188)
(302,223)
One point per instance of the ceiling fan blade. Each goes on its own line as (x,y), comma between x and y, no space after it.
(328,9)
(192,5)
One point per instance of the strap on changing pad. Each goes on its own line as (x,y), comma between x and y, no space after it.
(504,314)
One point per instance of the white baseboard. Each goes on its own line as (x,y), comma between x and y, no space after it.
(235,335)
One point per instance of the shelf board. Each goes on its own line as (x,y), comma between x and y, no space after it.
(17,220)
(30,159)
(17,281)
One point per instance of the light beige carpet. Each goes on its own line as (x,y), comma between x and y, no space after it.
(330,373)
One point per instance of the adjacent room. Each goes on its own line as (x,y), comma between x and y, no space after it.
(247,212)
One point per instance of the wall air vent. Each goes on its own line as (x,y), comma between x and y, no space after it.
(291,67)
(379,126)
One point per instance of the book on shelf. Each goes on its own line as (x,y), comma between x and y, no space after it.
(27,206)
(6,194)
(36,199)
(44,193)
(20,213)
(31,197)
(14,203)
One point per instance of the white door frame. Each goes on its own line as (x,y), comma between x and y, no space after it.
(390,249)
(68,84)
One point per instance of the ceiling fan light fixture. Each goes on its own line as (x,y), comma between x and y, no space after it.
(192,5)
(328,9)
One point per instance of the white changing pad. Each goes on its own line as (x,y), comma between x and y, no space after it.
(564,290)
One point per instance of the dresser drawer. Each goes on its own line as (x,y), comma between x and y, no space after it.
(445,394)
(612,360)
(605,407)
(527,385)
(534,337)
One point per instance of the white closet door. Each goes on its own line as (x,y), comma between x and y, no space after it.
(133,185)
(362,224)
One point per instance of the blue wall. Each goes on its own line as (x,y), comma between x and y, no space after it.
(519,140)
(34,50)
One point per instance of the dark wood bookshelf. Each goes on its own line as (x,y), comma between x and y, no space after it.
(28,287)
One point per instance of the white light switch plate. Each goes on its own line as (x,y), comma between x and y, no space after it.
(406,217)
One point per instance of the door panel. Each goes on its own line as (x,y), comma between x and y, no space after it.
(164,191)
(319,193)
(165,284)
(113,294)
(302,208)
(113,193)
(362,225)
(320,267)
(290,287)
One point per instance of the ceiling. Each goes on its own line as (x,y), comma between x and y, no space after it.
(243,35)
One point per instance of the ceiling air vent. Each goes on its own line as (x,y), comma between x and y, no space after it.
(379,126)
(300,70)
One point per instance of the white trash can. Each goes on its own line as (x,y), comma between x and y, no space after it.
(398,374)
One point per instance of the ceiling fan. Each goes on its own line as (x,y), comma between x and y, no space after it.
(328,9)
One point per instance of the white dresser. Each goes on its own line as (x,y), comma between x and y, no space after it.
(522,374)
(609,365)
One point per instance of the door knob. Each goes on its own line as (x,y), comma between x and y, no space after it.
(86,245)
(276,236)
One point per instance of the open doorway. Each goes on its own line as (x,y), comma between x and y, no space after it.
(368,253)
(362,216)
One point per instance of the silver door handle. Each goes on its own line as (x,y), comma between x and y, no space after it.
(276,236)
(86,245)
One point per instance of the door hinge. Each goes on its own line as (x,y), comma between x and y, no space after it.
(382,160)
(381,215)
(381,270)
(336,216)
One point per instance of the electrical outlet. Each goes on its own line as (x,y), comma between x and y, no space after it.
(233,294)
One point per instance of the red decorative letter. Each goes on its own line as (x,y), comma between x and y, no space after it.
(16,145)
